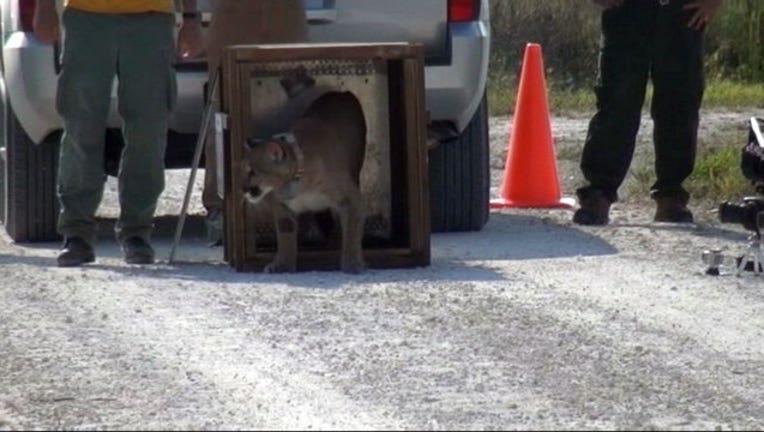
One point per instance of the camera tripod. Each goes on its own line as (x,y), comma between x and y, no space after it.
(753,259)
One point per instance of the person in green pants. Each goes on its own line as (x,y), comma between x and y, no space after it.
(133,41)
(661,40)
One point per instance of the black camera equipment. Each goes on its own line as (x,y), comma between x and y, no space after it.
(747,213)
(750,211)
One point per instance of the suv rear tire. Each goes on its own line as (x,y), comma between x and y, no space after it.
(28,172)
(460,178)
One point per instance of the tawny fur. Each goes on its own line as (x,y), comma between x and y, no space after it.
(331,135)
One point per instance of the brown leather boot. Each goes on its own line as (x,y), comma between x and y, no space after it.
(76,251)
(137,251)
(594,210)
(672,209)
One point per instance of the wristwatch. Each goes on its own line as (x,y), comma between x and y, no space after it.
(192,15)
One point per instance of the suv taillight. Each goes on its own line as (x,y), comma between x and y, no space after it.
(463,10)
(26,15)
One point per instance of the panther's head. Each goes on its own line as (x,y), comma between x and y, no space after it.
(268,165)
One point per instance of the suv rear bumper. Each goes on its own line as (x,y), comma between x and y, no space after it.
(30,82)
(453,91)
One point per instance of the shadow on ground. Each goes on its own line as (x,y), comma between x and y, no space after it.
(519,237)
(455,256)
(733,232)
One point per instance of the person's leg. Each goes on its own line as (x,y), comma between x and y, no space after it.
(623,72)
(84,90)
(678,91)
(147,94)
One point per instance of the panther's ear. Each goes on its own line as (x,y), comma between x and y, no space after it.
(275,152)
(253,142)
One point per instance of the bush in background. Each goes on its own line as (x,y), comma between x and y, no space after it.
(568,32)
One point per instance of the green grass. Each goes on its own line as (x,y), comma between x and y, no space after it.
(717,174)
(735,95)
(502,93)
(716,177)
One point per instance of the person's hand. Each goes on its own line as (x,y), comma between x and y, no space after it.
(45,22)
(608,3)
(190,39)
(703,11)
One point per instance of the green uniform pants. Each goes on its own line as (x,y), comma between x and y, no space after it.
(642,40)
(137,50)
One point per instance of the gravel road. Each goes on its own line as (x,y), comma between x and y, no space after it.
(532,323)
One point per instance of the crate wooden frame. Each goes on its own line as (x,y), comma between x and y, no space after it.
(408,148)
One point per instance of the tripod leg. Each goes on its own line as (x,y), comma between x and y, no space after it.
(741,265)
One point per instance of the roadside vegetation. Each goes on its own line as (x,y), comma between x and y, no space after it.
(568,32)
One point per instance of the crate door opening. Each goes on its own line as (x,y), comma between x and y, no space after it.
(278,93)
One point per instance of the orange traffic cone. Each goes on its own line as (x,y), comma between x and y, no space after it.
(530,174)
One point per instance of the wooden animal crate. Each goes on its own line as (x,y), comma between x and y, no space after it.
(388,80)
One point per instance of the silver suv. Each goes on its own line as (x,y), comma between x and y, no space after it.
(456,34)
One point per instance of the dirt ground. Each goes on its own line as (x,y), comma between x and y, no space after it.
(532,323)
